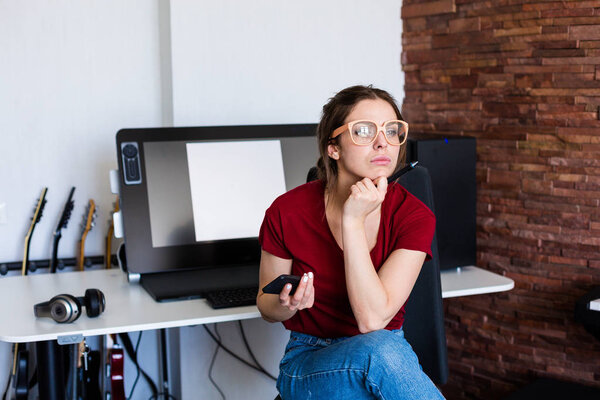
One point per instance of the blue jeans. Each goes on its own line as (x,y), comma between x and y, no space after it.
(376,365)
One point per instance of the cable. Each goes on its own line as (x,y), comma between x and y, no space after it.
(128,346)
(235,355)
(137,376)
(212,363)
(251,353)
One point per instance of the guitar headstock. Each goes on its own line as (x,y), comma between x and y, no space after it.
(89,218)
(39,208)
(66,213)
(37,216)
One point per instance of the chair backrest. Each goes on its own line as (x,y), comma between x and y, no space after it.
(424,318)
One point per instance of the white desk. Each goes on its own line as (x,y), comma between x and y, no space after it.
(129,308)
(471,280)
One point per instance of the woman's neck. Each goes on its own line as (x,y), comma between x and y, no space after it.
(336,196)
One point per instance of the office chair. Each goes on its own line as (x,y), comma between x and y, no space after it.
(424,318)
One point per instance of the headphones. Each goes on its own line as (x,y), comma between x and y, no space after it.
(65,308)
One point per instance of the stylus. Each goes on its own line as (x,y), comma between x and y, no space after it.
(409,167)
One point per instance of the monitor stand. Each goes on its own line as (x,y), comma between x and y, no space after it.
(192,284)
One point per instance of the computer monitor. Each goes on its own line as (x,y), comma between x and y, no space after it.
(193,198)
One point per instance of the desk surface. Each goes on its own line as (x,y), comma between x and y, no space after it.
(129,308)
(471,280)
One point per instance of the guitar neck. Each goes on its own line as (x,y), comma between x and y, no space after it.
(81,258)
(87,226)
(34,220)
(54,259)
(108,249)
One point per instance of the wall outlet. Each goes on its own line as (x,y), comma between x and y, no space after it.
(3,217)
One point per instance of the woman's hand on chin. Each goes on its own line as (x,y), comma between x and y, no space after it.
(365,197)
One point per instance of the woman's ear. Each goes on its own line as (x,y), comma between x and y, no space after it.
(333,151)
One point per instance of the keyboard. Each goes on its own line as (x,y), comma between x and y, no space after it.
(236,297)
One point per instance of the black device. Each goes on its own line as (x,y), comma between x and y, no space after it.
(157,206)
(450,161)
(277,284)
(65,308)
(130,157)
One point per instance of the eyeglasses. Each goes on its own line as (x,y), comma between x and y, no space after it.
(364,132)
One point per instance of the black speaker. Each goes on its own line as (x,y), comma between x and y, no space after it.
(450,161)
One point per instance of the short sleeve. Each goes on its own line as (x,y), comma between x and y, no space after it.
(270,236)
(415,228)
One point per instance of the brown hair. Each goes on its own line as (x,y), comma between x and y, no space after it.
(334,115)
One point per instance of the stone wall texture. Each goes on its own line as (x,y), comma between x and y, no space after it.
(523,77)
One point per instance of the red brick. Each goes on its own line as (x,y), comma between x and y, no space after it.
(535,186)
(560,44)
(518,31)
(465,25)
(571,60)
(559,53)
(577,12)
(589,44)
(463,81)
(548,30)
(576,21)
(584,32)
(427,56)
(428,8)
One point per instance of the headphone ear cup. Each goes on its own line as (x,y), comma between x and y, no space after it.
(94,302)
(64,308)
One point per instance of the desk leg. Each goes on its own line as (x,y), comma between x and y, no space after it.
(50,364)
(163,386)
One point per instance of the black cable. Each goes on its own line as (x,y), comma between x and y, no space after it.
(264,371)
(128,346)
(212,363)
(137,376)
(233,354)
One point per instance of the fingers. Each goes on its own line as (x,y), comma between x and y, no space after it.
(367,187)
(382,185)
(302,298)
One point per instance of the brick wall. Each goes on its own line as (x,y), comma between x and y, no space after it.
(523,76)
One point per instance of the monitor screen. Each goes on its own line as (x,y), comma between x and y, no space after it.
(195,197)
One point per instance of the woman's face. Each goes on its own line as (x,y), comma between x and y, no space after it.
(371,161)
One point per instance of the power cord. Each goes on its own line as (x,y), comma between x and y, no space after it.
(128,346)
(212,363)
(262,371)
(251,353)
(137,376)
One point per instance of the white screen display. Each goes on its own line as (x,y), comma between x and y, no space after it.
(232,184)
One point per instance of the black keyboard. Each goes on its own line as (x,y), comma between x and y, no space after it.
(224,298)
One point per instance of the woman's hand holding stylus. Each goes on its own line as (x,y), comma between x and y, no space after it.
(304,297)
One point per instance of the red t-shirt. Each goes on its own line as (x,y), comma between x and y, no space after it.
(295,227)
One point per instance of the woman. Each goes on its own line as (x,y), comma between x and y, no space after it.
(359,245)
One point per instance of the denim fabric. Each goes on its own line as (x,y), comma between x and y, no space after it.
(376,365)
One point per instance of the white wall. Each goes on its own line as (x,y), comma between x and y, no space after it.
(272,61)
(73,73)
